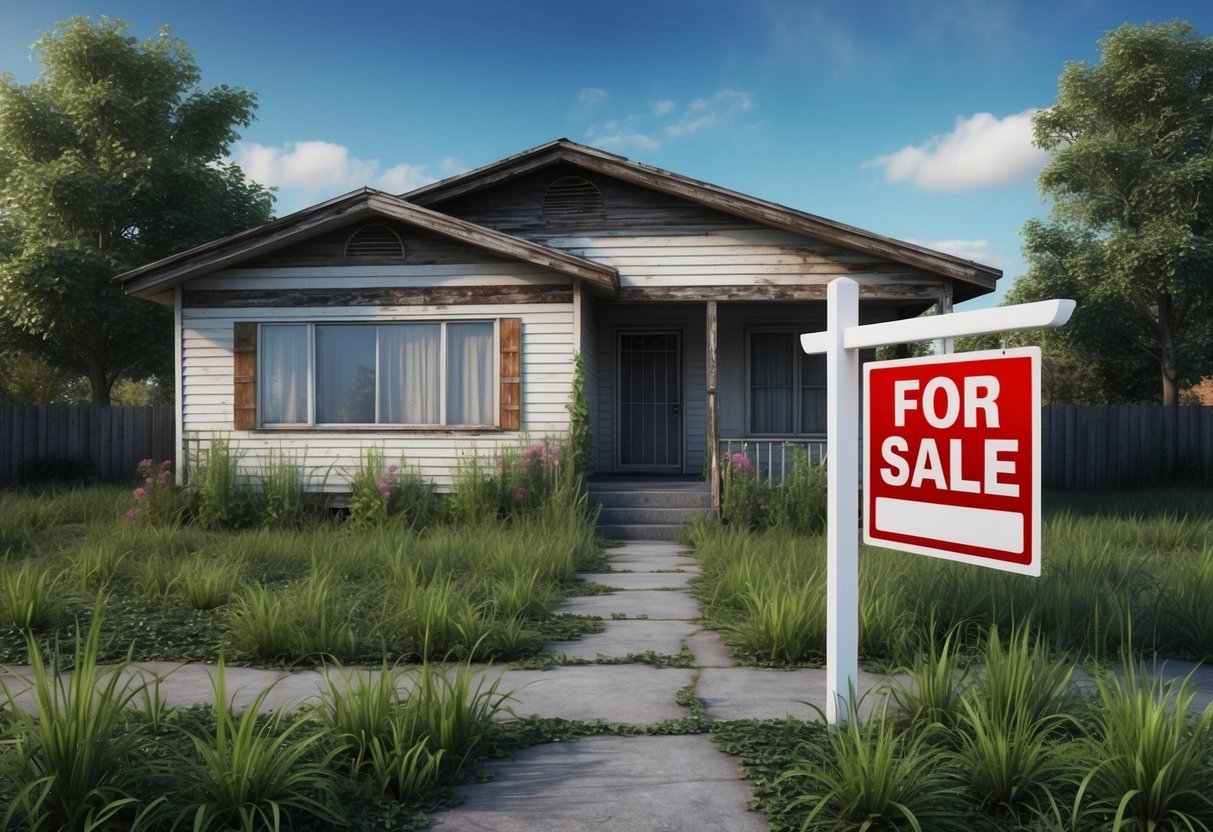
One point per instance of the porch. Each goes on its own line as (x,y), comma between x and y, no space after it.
(675,388)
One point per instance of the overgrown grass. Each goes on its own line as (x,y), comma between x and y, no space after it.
(1141,581)
(1015,745)
(299,589)
(100,750)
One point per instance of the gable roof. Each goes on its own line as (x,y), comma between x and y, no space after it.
(972,279)
(154,279)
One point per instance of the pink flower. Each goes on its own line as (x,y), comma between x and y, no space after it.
(392,469)
(519,496)
(139,494)
(741,463)
(168,463)
(132,515)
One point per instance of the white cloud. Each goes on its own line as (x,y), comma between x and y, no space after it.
(319,167)
(665,121)
(982,152)
(450,166)
(979,251)
(590,96)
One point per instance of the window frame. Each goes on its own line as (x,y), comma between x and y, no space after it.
(312,425)
(798,387)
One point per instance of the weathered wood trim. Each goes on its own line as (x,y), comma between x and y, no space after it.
(781,292)
(420,431)
(345,210)
(713,411)
(510,337)
(981,278)
(377,296)
(244,375)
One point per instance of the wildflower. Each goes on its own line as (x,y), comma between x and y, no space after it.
(168,463)
(139,494)
(132,515)
(519,496)
(392,469)
(741,463)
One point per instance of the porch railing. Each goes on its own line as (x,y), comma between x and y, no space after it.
(773,458)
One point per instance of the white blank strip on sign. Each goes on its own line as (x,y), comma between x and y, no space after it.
(1000,530)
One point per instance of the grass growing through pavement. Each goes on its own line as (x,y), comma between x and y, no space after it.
(1131,573)
(103,752)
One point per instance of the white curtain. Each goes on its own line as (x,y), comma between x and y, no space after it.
(284,360)
(345,374)
(469,373)
(409,375)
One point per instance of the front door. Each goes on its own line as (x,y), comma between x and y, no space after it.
(650,401)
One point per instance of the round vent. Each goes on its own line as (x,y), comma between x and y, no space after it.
(572,197)
(374,240)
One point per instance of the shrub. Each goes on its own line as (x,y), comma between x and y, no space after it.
(797,504)
(875,776)
(77,764)
(253,773)
(283,501)
(158,501)
(1148,763)
(378,493)
(30,600)
(221,499)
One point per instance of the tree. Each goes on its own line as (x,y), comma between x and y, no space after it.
(114,157)
(26,379)
(1130,232)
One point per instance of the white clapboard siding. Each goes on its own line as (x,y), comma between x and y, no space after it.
(330,456)
(733,256)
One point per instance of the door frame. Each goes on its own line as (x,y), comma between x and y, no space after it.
(680,363)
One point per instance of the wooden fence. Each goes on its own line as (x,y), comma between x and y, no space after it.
(1109,446)
(107,442)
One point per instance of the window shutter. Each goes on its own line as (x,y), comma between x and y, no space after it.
(244,375)
(511,373)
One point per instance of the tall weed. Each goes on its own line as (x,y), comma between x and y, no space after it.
(253,773)
(75,765)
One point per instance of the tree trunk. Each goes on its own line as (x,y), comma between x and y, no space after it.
(99,383)
(1170,387)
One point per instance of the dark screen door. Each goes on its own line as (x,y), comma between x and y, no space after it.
(650,400)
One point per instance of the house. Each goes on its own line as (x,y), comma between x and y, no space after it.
(445,321)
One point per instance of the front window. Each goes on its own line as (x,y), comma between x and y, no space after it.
(424,373)
(787,387)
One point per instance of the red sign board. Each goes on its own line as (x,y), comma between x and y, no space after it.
(952,457)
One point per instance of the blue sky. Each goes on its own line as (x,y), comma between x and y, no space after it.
(906,118)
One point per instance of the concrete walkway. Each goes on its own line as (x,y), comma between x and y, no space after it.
(633,783)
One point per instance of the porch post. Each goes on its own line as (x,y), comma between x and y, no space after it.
(713,437)
(943,346)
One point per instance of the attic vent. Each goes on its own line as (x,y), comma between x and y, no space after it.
(572,197)
(374,240)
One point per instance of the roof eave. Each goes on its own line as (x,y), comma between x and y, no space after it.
(154,279)
(980,278)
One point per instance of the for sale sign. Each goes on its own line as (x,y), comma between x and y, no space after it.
(952,457)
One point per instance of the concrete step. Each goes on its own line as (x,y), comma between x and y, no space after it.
(640,531)
(651,499)
(637,515)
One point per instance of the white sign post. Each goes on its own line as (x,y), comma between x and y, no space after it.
(841,342)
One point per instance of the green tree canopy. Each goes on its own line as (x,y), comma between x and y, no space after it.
(114,157)
(1130,232)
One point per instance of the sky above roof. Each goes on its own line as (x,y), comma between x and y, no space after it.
(910,119)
